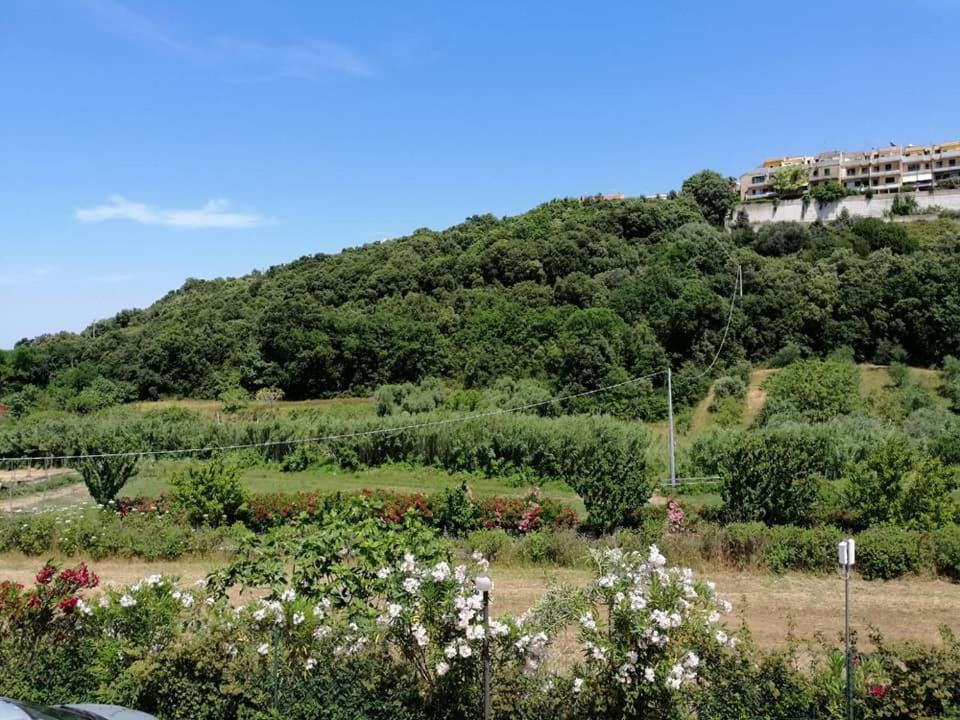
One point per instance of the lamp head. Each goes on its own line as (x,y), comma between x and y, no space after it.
(483,583)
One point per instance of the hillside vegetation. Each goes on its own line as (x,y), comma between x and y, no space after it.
(573,294)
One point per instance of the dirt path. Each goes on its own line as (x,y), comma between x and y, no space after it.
(34,501)
(756,396)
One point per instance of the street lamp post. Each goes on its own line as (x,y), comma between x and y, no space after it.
(846,557)
(484,585)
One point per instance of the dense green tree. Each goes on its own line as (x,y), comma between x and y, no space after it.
(714,194)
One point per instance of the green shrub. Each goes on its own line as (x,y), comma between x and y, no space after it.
(888,552)
(790,548)
(494,544)
(946,551)
(820,390)
(210,493)
(563,548)
(773,476)
(33,535)
(743,543)
(454,511)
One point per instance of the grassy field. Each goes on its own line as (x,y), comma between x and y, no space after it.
(772,606)
(153,479)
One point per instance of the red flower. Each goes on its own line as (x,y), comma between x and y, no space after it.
(68,605)
(878,691)
(43,577)
(856,660)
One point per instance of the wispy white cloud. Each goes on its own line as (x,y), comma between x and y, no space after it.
(29,276)
(213,214)
(242,59)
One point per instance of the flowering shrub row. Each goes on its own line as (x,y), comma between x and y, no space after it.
(408,643)
(454,511)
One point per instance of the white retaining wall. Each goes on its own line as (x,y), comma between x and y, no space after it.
(761,213)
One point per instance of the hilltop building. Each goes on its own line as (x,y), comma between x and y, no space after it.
(880,170)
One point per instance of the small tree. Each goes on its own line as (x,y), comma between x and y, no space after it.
(109,460)
(789,181)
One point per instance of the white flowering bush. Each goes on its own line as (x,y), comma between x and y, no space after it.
(647,633)
(402,636)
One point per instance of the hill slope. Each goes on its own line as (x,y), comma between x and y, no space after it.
(574,293)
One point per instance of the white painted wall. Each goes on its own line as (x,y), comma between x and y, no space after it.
(761,213)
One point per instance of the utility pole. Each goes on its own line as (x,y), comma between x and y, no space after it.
(670,438)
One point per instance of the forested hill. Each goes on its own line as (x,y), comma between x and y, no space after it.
(574,293)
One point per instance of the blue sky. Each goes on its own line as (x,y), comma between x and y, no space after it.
(146,141)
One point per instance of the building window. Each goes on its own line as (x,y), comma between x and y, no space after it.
(876,181)
(816,173)
(826,172)
(939,163)
(952,163)
(888,166)
(890,180)
(757,179)
(913,167)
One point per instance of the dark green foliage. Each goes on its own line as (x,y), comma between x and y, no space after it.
(829,192)
(817,390)
(210,493)
(491,298)
(778,239)
(894,484)
(946,551)
(888,552)
(713,194)
(773,476)
(454,511)
(801,549)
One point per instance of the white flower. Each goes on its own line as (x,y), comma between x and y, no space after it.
(288,595)
(475,632)
(310,664)
(394,610)
(656,558)
(442,668)
(690,660)
(587,621)
(176,594)
(721,637)
(577,685)
(186,600)
(298,618)
(383,573)
(154,580)
(440,572)
(450,651)
(209,601)
(84,608)
(420,634)
(465,651)
(409,563)
(263,649)
(649,675)
(713,617)
(104,601)
(127,601)
(321,632)
(260,614)
(411,585)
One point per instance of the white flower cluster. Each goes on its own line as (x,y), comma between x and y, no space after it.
(658,617)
